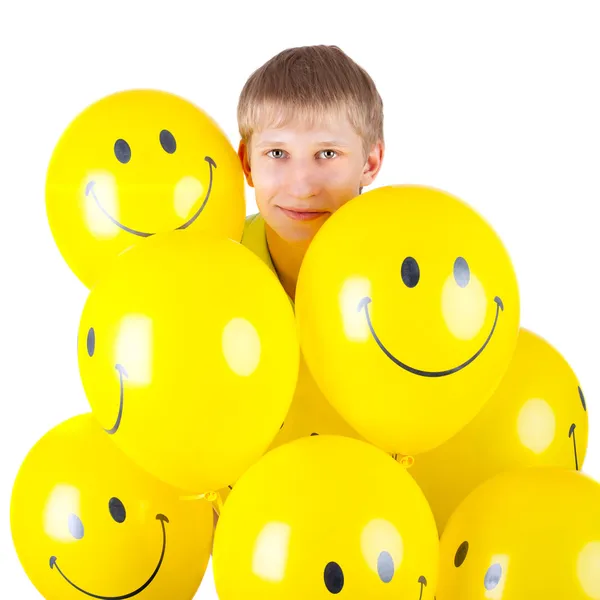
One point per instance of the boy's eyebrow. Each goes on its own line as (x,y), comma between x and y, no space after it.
(269,143)
(333,143)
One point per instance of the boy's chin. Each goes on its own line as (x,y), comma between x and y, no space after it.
(299,232)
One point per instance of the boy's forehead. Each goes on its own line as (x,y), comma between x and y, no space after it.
(330,126)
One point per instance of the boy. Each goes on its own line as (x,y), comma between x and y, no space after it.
(311,126)
(311,123)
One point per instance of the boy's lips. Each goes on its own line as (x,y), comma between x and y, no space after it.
(299,214)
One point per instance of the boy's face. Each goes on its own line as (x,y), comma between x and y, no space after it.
(301,175)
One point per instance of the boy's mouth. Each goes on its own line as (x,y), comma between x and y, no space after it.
(300,214)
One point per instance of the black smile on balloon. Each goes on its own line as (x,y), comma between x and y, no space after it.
(574,426)
(115,427)
(90,191)
(423,583)
(572,435)
(159,517)
(364,305)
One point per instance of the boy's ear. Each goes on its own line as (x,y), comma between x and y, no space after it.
(372,164)
(244,154)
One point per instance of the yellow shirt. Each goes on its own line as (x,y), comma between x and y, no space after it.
(255,239)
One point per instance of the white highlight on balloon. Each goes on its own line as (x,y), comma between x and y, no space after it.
(355,324)
(378,535)
(63,501)
(588,569)
(241,346)
(536,425)
(133,349)
(104,190)
(270,554)
(187,192)
(464,309)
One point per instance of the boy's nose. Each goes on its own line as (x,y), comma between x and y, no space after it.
(302,182)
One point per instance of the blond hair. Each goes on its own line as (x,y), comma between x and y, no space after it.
(309,83)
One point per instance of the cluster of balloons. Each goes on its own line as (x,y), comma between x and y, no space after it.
(399,435)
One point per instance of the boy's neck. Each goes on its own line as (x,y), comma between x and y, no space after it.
(287,259)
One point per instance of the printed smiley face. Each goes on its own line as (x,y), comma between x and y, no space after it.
(188,356)
(529,533)
(321,516)
(537,416)
(408,314)
(134,164)
(87,522)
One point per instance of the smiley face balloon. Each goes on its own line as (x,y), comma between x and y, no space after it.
(136,163)
(322,516)
(87,522)
(408,315)
(531,533)
(188,356)
(537,416)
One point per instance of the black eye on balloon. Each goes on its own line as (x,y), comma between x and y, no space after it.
(462,273)
(461,554)
(492,577)
(75,526)
(385,567)
(410,272)
(122,151)
(334,578)
(167,141)
(91,341)
(582,397)
(117,510)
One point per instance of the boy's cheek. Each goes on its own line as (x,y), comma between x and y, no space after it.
(268,181)
(266,208)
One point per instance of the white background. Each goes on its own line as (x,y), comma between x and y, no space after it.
(497,103)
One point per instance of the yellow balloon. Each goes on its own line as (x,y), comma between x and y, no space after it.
(324,515)
(310,414)
(537,416)
(408,315)
(530,533)
(189,357)
(87,522)
(133,164)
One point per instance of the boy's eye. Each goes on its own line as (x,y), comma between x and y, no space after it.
(275,153)
(328,153)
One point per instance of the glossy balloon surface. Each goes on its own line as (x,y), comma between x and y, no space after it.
(408,315)
(530,533)
(189,357)
(326,515)
(136,163)
(87,522)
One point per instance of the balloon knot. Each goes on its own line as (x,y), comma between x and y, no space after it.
(208,496)
(407,461)
(404,459)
